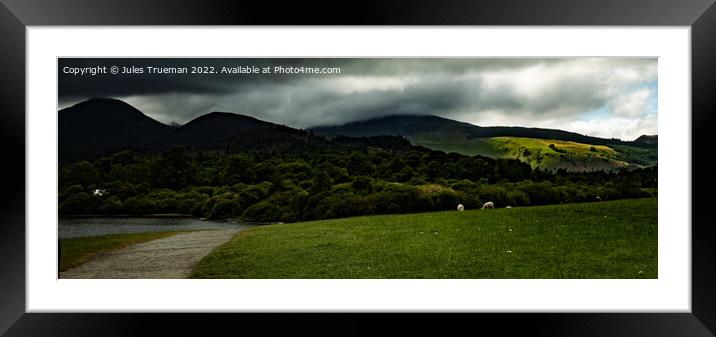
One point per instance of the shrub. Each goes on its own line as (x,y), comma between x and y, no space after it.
(139,205)
(418,180)
(78,203)
(446,199)
(541,193)
(111,205)
(208,190)
(405,174)
(187,205)
(517,198)
(464,185)
(423,203)
(350,205)
(70,190)
(168,205)
(494,193)
(555,149)
(80,173)
(255,193)
(262,211)
(223,209)
(362,185)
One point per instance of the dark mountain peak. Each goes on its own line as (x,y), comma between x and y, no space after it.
(111,104)
(107,112)
(210,129)
(223,123)
(104,100)
(406,118)
(99,126)
(647,140)
(405,125)
(648,137)
(222,114)
(225,116)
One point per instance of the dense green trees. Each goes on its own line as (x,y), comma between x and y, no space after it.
(377,175)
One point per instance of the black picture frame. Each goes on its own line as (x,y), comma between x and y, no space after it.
(16,15)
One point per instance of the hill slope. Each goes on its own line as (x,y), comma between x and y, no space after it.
(210,129)
(531,145)
(405,125)
(100,125)
(412,125)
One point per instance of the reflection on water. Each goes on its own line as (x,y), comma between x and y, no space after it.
(78,227)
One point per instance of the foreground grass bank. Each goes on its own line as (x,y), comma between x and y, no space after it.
(77,251)
(615,239)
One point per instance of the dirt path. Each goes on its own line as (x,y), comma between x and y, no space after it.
(170,257)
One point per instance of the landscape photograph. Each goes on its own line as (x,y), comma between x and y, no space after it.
(357,168)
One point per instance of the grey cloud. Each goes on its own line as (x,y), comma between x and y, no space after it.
(73,87)
(446,87)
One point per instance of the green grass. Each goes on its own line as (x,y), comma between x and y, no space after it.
(537,153)
(458,143)
(641,156)
(77,251)
(615,239)
(567,155)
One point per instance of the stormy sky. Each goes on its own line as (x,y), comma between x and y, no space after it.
(604,97)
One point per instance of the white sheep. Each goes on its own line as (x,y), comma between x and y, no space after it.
(598,198)
(460,208)
(488,205)
(508,206)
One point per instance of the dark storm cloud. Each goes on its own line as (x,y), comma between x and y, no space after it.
(509,91)
(72,87)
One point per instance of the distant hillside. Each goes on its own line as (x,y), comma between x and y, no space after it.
(209,130)
(571,156)
(99,126)
(648,140)
(413,125)
(531,145)
(283,139)
(405,125)
(102,126)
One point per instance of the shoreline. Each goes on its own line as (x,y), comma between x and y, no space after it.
(157,215)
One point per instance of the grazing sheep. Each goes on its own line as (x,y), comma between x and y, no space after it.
(460,208)
(488,205)
(508,206)
(598,198)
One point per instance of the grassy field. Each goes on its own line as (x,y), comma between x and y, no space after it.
(615,239)
(641,156)
(555,154)
(77,251)
(458,143)
(571,156)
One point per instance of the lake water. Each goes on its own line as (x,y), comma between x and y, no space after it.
(79,227)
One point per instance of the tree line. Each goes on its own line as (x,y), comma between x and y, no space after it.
(307,181)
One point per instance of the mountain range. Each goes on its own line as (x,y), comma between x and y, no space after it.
(542,148)
(100,126)
(413,126)
(97,126)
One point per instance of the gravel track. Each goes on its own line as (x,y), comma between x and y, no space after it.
(166,258)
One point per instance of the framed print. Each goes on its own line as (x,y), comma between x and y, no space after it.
(452,167)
